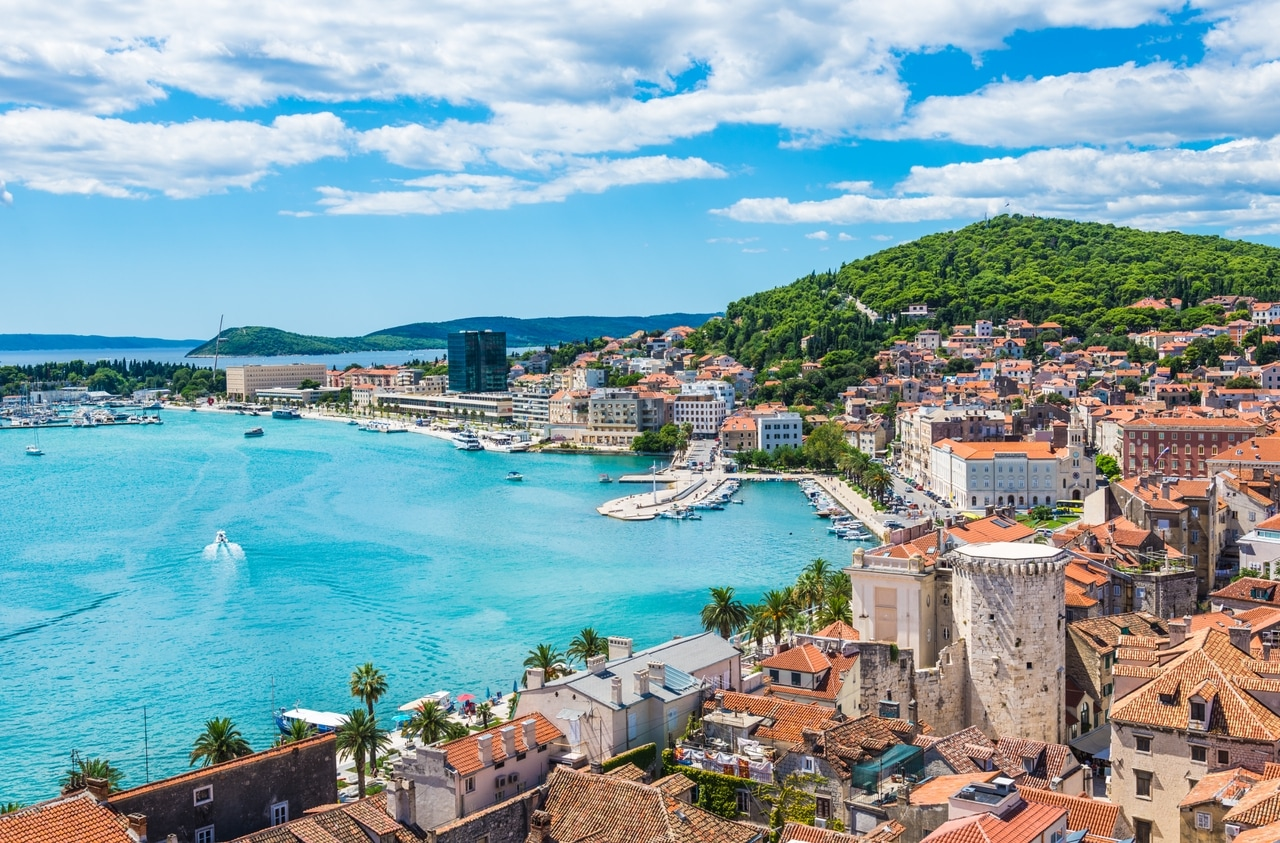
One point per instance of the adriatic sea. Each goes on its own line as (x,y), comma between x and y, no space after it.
(396,549)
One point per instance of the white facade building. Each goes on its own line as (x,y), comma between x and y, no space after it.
(780,429)
(243,382)
(1018,474)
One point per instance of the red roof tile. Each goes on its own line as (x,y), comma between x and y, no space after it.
(464,753)
(71,819)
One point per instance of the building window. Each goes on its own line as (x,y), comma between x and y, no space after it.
(773,675)
(795,678)
(744,800)
(1204,821)
(1197,712)
(471,785)
(204,835)
(1199,753)
(1143,743)
(1224,757)
(822,810)
(203,795)
(280,813)
(1142,784)
(1142,831)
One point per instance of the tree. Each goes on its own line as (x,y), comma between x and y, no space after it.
(835,608)
(220,741)
(1241,382)
(825,446)
(586,644)
(485,712)
(757,625)
(779,610)
(429,723)
(1107,465)
(370,685)
(361,736)
(1041,512)
(546,657)
(299,730)
(91,768)
(724,614)
(308,383)
(877,481)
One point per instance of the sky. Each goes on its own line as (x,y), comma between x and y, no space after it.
(335,168)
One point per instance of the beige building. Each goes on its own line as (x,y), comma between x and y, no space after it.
(244,382)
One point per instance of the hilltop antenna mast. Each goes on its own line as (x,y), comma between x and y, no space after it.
(217,344)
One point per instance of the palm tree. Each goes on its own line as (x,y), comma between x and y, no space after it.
(725,613)
(369,684)
(299,730)
(91,768)
(361,737)
(545,656)
(484,711)
(777,609)
(429,722)
(835,608)
(588,643)
(10,807)
(220,741)
(877,481)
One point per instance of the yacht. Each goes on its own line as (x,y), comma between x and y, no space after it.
(514,475)
(255,431)
(285,414)
(507,443)
(34,451)
(466,440)
(604,478)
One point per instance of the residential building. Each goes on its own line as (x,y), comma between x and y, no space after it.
(1184,513)
(1202,813)
(237,797)
(1260,452)
(1017,474)
(1026,763)
(630,699)
(244,382)
(363,821)
(1197,704)
(779,428)
(1091,648)
(704,412)
(78,816)
(920,428)
(809,674)
(1181,446)
(440,783)
(1260,550)
(738,433)
(477,361)
(990,811)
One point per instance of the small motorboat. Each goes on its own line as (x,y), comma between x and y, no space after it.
(221,537)
(604,478)
(514,475)
(353,422)
(255,431)
(34,451)
(736,500)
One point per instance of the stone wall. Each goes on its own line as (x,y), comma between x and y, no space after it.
(882,675)
(506,822)
(942,691)
(919,820)
(1166,595)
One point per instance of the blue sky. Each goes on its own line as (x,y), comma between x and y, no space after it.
(335,168)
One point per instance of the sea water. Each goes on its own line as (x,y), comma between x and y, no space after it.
(353,547)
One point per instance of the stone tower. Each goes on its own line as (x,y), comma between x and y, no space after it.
(1009,607)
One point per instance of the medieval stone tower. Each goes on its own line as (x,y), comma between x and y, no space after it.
(1008,606)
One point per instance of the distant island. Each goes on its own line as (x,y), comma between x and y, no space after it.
(257,341)
(60,342)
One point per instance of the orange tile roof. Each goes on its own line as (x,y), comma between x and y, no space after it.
(1245,589)
(1207,657)
(839,631)
(1026,825)
(1223,785)
(602,809)
(1083,814)
(987,450)
(1268,833)
(71,819)
(464,753)
(806,659)
(939,789)
(993,528)
(1260,806)
(789,719)
(1085,574)
(348,823)
(196,775)
(828,688)
(1076,598)
(794,832)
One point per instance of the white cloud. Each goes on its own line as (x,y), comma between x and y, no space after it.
(448,193)
(754,251)
(737,240)
(6,198)
(845,238)
(817,235)
(883,238)
(1234,184)
(66,152)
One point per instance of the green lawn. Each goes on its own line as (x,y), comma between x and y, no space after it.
(1051,524)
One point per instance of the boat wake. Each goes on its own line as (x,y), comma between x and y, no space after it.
(223,549)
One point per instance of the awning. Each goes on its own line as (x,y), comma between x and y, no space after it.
(1095,744)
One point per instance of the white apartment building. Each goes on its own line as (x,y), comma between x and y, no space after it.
(584,378)
(1018,474)
(779,429)
(243,382)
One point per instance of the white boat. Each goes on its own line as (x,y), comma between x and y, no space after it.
(514,475)
(442,699)
(506,443)
(221,537)
(466,440)
(34,451)
(321,721)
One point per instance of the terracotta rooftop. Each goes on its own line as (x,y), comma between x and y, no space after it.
(987,450)
(339,824)
(464,753)
(785,721)
(1103,634)
(1250,590)
(1026,825)
(1263,449)
(1260,806)
(993,528)
(827,688)
(77,818)
(1095,816)
(1228,785)
(854,741)
(602,809)
(939,789)
(1269,833)
(838,631)
(806,658)
(798,833)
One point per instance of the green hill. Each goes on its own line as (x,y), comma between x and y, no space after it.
(255,341)
(1081,275)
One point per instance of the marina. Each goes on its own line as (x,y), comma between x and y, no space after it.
(337,545)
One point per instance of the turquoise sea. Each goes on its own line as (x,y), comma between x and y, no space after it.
(357,546)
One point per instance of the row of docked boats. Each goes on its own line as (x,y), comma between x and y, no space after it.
(843,525)
(718,499)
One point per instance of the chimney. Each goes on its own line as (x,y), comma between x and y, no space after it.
(658,673)
(619,648)
(1240,635)
(596,664)
(1178,630)
(539,827)
(533,678)
(1164,489)
(508,740)
(641,682)
(98,788)
(615,690)
(484,747)
(138,827)
(530,729)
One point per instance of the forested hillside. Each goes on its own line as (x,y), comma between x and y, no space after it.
(1081,275)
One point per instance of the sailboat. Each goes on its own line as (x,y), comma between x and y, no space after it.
(33,450)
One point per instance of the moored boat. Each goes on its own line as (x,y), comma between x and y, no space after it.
(466,440)
(604,478)
(255,431)
(321,721)
(285,413)
(514,475)
(34,451)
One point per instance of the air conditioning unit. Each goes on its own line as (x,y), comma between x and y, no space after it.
(514,777)
(819,822)
(500,781)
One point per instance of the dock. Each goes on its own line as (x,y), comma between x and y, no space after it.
(675,486)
